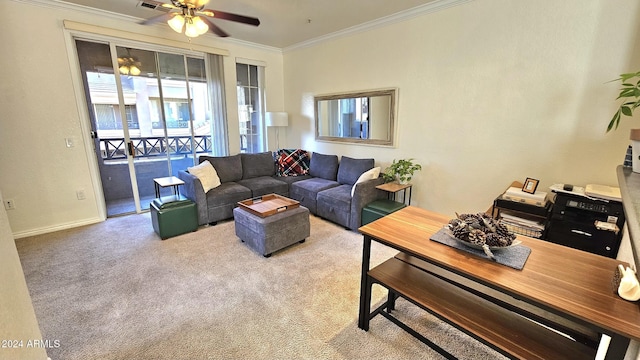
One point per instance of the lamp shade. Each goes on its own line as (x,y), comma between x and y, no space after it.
(276,119)
(176,23)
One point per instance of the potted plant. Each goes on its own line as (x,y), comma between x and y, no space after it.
(630,93)
(401,171)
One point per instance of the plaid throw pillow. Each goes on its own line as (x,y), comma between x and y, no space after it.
(292,162)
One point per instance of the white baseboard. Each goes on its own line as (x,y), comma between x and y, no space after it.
(58,227)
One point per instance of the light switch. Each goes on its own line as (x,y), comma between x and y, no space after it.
(70,142)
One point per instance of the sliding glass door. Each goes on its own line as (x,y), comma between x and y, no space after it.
(150,114)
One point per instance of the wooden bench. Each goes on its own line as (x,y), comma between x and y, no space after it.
(500,328)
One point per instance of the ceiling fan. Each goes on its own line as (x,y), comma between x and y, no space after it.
(191,17)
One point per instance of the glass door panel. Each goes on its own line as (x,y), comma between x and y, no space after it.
(250,108)
(139,80)
(202,124)
(186,108)
(101,94)
(150,121)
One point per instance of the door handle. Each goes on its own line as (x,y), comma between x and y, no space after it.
(132,150)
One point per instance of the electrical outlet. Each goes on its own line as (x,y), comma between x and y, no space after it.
(80,194)
(10,204)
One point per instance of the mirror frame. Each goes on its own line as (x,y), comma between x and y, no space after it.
(356,94)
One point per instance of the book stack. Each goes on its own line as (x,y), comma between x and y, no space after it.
(521,225)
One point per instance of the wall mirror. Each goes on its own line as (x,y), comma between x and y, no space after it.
(363,117)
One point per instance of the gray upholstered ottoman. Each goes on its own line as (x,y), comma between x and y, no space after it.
(272,233)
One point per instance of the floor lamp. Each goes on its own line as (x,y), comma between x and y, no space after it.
(277,120)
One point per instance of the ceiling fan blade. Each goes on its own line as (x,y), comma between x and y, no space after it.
(231,17)
(157,19)
(213,28)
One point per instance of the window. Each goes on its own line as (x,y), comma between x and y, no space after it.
(107,117)
(250,107)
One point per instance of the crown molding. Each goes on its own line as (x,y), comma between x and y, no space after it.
(431,7)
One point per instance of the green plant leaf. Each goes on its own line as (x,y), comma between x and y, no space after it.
(614,121)
(626,93)
(626,111)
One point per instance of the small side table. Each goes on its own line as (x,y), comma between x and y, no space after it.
(167,182)
(392,188)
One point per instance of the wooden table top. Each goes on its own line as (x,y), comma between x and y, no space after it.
(560,278)
(393,187)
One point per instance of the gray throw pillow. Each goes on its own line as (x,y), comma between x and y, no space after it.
(229,168)
(324,166)
(255,165)
(351,169)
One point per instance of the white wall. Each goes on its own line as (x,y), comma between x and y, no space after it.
(490,91)
(18,318)
(39,110)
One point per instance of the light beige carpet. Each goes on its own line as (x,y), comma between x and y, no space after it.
(114,290)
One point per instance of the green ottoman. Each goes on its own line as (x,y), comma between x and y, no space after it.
(173,215)
(379,208)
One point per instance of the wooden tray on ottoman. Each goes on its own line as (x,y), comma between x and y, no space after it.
(267,205)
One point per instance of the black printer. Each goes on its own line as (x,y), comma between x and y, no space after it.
(586,223)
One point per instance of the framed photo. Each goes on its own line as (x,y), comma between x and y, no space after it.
(530,185)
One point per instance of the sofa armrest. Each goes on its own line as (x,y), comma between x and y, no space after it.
(364,193)
(193,190)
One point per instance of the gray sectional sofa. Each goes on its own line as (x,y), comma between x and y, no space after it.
(325,190)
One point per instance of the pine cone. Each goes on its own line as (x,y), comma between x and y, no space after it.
(461,233)
(502,230)
(505,241)
(477,237)
(493,239)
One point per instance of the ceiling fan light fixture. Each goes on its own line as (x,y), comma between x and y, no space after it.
(177,23)
(190,29)
(200,25)
(129,65)
(134,70)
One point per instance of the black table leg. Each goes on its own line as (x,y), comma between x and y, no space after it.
(365,288)
(617,347)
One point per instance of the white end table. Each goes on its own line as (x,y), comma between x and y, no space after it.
(169,181)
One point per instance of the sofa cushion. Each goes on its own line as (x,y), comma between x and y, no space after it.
(351,169)
(228,193)
(367,175)
(292,162)
(207,175)
(255,165)
(325,166)
(306,191)
(335,204)
(229,168)
(264,185)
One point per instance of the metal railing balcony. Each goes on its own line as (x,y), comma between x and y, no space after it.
(153,146)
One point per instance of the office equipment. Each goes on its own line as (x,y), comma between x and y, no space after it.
(576,221)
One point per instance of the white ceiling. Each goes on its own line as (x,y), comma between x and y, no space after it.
(283,23)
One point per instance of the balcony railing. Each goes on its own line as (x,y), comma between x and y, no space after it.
(116,148)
